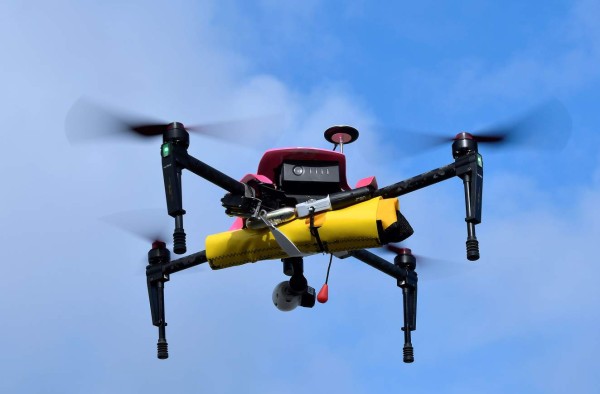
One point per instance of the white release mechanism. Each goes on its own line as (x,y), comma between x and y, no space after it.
(303,209)
(288,246)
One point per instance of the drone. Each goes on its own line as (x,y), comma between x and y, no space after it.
(298,204)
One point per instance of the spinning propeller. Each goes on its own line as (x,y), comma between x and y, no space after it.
(143,223)
(545,127)
(146,224)
(88,121)
(432,267)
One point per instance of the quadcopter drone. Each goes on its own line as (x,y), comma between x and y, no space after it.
(299,203)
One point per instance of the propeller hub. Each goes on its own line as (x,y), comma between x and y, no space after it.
(158,245)
(463,136)
(406,260)
(175,125)
(177,134)
(159,254)
(464,143)
(406,251)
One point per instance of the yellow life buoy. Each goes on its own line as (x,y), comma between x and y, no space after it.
(368,224)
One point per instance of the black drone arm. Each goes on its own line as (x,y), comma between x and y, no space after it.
(186,262)
(210,174)
(467,166)
(403,270)
(241,200)
(175,158)
(158,270)
(417,182)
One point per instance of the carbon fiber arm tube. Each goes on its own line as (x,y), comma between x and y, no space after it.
(417,182)
(378,263)
(211,174)
(185,262)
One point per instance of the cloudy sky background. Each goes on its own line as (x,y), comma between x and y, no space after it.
(73,302)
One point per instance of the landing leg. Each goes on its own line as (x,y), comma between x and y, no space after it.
(408,282)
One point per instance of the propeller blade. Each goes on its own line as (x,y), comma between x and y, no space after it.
(430,267)
(150,226)
(87,121)
(545,127)
(421,259)
(149,130)
(147,224)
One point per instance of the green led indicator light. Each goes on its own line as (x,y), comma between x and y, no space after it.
(165,149)
(480,161)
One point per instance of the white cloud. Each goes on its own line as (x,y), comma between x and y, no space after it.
(540,70)
(74,303)
(77,302)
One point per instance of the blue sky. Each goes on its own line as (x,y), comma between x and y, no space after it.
(74,306)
